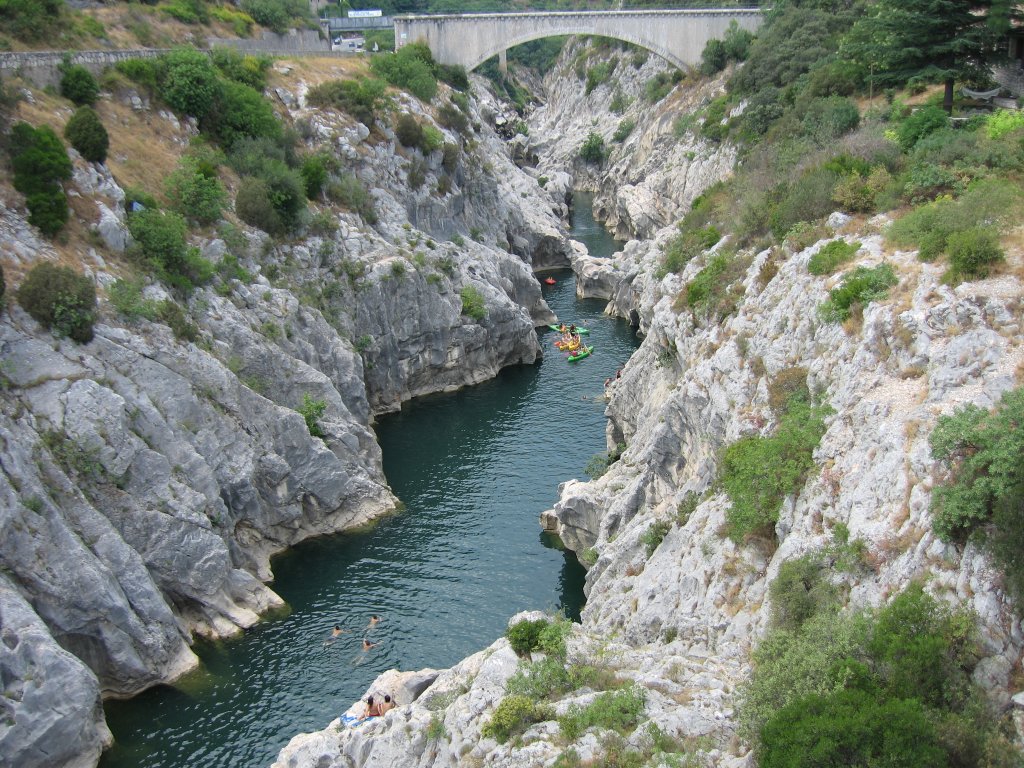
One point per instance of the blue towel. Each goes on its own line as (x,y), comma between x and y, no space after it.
(352,721)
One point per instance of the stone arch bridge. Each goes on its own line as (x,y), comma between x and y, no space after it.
(470,39)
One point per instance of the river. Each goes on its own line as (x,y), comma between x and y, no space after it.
(474,470)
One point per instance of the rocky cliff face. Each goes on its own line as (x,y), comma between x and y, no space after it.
(147,479)
(682,618)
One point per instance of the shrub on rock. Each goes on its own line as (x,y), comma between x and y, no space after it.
(61,300)
(86,133)
(78,84)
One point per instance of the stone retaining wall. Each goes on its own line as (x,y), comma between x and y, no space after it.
(43,67)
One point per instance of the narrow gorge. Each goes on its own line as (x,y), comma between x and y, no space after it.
(151,475)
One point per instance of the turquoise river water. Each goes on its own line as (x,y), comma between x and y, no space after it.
(474,469)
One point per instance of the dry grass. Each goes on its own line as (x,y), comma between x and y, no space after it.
(144,147)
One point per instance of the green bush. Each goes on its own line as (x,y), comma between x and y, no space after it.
(363,99)
(349,191)
(144,72)
(800,591)
(60,299)
(524,636)
(432,140)
(254,206)
(807,199)
(173,315)
(30,20)
(716,125)
(314,171)
(276,14)
(919,124)
(623,130)
(861,286)
(450,154)
(311,410)
(972,253)
(683,247)
(513,716)
(600,73)
(160,244)
(473,305)
(40,162)
(239,112)
(78,84)
(410,68)
(593,150)
(453,118)
(979,452)
(408,130)
(614,710)
(658,87)
(86,133)
(194,191)
(243,68)
(654,535)
(189,84)
(757,495)
(829,118)
(850,728)
(127,298)
(830,256)
(715,291)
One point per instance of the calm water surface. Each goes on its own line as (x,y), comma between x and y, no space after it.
(475,469)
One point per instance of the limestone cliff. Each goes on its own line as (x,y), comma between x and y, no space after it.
(147,479)
(682,617)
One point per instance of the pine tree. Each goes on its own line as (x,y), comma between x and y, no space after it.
(930,40)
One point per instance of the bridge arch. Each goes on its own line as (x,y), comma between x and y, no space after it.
(519,40)
(678,36)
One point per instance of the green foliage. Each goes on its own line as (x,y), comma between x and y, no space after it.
(546,677)
(127,298)
(524,636)
(362,98)
(40,162)
(619,103)
(715,126)
(272,195)
(173,315)
(240,112)
(160,244)
(453,118)
(1002,122)
(919,124)
(715,291)
(733,47)
(593,149)
(850,727)
(513,716)
(614,710)
(408,130)
(60,299)
(826,119)
(189,83)
(972,253)
(659,86)
(600,462)
(410,68)
(800,591)
(600,73)
(241,23)
(992,203)
(311,410)
(830,256)
(683,247)
(86,133)
(980,453)
(276,14)
(807,199)
(29,20)
(473,305)
(654,535)
(349,191)
(859,287)
(144,72)
(194,191)
(757,495)
(623,130)
(891,687)
(243,68)
(314,172)
(78,84)
(186,11)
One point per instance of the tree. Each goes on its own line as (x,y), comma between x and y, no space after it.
(930,40)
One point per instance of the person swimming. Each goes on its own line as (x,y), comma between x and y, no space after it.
(367,645)
(336,632)
(373,621)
